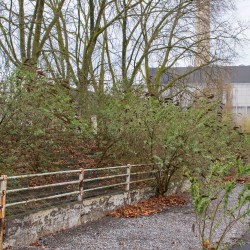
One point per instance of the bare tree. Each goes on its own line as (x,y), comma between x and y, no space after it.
(86,42)
(25,28)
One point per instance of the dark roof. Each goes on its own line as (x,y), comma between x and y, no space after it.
(230,74)
(240,74)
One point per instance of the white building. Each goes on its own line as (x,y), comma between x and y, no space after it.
(240,81)
(230,84)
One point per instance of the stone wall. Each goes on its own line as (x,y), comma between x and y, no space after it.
(21,230)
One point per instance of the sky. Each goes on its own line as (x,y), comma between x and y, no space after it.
(243,14)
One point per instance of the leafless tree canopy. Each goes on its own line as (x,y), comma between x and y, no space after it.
(89,43)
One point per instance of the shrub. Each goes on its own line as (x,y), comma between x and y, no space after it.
(38,116)
(135,127)
(211,200)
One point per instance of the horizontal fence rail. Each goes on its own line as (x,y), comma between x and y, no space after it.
(41,174)
(80,182)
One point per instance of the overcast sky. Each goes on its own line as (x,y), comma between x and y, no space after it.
(243,14)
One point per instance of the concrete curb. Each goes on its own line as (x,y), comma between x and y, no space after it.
(21,230)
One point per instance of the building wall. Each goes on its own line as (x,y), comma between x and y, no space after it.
(202,32)
(230,84)
(241,98)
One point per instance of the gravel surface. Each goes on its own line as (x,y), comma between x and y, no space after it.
(170,229)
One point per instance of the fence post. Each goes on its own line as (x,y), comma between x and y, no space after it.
(128,177)
(128,183)
(3,188)
(81,179)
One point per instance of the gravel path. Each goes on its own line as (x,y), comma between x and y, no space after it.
(170,229)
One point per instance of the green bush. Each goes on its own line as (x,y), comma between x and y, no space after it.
(38,115)
(135,127)
(211,200)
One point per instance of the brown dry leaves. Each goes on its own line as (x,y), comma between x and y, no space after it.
(36,244)
(150,206)
(233,176)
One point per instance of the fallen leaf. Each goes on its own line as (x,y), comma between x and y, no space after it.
(148,207)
